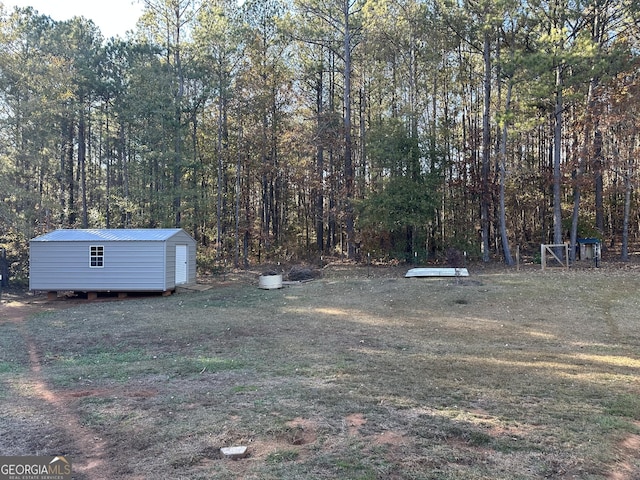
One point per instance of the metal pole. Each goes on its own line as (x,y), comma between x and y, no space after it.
(4,270)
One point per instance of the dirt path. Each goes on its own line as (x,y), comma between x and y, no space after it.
(629,452)
(91,459)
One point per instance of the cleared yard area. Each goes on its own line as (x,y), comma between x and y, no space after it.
(501,375)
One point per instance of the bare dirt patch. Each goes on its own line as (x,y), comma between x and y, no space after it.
(626,466)
(18,308)
(354,422)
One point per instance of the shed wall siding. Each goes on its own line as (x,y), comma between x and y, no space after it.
(128,266)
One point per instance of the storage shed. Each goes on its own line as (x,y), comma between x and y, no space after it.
(112,260)
(589,249)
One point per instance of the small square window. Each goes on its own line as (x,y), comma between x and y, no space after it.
(96,256)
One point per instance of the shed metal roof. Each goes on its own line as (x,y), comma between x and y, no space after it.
(588,241)
(108,235)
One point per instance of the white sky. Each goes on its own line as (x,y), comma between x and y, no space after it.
(113,17)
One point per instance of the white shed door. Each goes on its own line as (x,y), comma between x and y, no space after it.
(181,264)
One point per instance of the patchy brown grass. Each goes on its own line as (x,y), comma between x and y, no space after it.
(361,374)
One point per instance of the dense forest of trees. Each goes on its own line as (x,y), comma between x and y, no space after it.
(279,129)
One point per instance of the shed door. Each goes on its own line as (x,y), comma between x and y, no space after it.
(181,264)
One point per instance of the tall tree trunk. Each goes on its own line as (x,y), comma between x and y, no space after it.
(624,254)
(177,165)
(348,155)
(265,177)
(277,187)
(220,178)
(628,187)
(598,182)
(82,165)
(557,152)
(107,152)
(508,259)
(124,171)
(236,256)
(485,198)
(319,191)
(332,229)
(573,236)
(68,198)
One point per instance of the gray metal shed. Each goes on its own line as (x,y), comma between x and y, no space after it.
(112,260)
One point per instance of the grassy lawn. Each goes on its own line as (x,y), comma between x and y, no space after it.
(497,376)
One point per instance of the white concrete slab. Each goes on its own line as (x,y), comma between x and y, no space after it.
(437,272)
(234,452)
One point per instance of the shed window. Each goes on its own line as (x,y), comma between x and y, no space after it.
(96,256)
